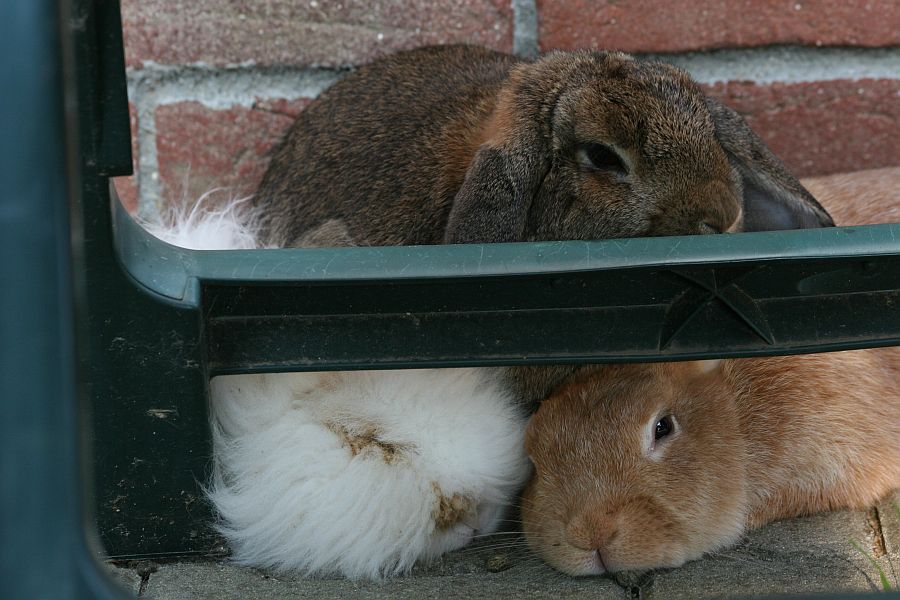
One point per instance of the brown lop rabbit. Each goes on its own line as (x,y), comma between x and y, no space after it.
(645,466)
(456,144)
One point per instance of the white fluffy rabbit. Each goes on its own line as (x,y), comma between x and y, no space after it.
(353,473)
(362,473)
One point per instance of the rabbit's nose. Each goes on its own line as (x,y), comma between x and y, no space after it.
(603,536)
(727,218)
(593,532)
(708,228)
(719,209)
(598,558)
(738,221)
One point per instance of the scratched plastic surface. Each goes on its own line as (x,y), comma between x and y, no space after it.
(614,300)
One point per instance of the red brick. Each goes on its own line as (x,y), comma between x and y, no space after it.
(127,187)
(823,127)
(280,106)
(200,148)
(662,26)
(313,32)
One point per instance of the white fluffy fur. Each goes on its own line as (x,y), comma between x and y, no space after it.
(296,493)
(294,497)
(228,227)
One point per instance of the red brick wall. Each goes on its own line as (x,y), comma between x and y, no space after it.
(214,83)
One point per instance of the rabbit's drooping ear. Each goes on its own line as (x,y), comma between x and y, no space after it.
(773,198)
(493,203)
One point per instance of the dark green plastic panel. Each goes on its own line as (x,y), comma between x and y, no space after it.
(616,300)
(48,546)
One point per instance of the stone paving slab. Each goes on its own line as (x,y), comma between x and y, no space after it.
(889,522)
(810,555)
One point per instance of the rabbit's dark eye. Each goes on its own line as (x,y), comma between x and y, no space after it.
(664,427)
(601,158)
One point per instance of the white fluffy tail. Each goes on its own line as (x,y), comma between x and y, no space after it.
(231,226)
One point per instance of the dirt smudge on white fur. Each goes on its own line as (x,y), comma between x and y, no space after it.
(450,510)
(366,439)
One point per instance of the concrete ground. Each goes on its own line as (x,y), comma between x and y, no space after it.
(809,555)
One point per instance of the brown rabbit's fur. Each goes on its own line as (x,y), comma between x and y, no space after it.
(755,440)
(864,197)
(373,154)
(464,144)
